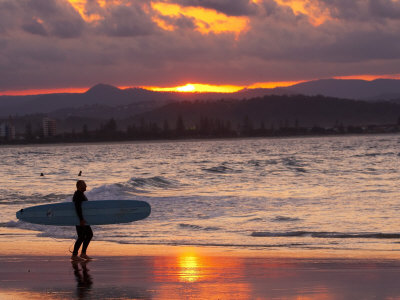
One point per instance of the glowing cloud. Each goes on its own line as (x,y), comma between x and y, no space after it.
(79,5)
(206,20)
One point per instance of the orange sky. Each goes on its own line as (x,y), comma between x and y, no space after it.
(254,43)
(194,87)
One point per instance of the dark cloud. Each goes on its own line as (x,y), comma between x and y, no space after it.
(8,14)
(34,27)
(385,9)
(57,17)
(362,9)
(125,21)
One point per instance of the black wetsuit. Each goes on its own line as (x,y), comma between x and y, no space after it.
(85,233)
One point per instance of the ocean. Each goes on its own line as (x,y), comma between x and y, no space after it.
(333,193)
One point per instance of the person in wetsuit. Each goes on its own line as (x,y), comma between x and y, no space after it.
(83,230)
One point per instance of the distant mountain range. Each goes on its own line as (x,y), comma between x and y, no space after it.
(380,89)
(105,101)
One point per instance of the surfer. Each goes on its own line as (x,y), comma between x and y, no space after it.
(83,230)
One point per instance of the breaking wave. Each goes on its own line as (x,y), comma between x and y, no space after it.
(135,185)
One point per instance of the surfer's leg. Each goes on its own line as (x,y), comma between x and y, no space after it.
(87,238)
(79,240)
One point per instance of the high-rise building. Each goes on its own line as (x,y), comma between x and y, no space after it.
(7,131)
(48,127)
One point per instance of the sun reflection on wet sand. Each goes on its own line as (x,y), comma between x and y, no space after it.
(189,268)
(193,275)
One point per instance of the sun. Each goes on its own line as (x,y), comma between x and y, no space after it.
(186,88)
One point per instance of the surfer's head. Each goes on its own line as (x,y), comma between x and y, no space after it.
(81,185)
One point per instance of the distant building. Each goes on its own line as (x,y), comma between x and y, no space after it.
(7,131)
(48,127)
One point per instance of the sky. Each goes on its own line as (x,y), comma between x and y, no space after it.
(195,45)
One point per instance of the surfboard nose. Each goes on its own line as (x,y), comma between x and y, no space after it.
(19,213)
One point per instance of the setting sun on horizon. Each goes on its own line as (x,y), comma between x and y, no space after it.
(192,46)
(193,87)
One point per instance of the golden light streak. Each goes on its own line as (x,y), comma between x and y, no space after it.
(42,91)
(209,88)
(206,20)
(79,6)
(369,77)
(162,24)
(273,84)
(197,88)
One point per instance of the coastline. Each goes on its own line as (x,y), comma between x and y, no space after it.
(46,142)
(21,242)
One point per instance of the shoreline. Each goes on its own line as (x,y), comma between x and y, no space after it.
(185,139)
(24,243)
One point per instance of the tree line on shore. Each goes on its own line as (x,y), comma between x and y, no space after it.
(267,116)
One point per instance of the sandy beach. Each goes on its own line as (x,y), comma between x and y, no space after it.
(154,272)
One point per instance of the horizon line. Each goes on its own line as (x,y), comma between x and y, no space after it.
(194,87)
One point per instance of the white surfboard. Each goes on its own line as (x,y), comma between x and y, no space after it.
(94,212)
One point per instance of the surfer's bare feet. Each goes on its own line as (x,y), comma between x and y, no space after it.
(76,258)
(84,256)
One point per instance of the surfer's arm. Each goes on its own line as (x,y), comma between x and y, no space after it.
(78,198)
(78,209)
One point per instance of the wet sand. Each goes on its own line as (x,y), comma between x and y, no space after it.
(40,268)
(190,273)
(191,276)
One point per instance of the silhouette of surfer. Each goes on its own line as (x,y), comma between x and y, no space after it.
(83,230)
